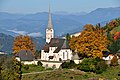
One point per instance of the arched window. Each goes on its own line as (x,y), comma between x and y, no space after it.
(63,55)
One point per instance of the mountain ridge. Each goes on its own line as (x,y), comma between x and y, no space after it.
(62,24)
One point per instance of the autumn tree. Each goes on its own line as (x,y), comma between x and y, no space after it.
(91,42)
(23,43)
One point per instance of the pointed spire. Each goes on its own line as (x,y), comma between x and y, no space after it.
(49,20)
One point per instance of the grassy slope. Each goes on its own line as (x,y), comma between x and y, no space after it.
(110,74)
(32,68)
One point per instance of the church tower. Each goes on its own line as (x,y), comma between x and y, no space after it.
(49,29)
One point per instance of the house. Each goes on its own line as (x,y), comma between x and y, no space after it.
(76,34)
(118,55)
(107,56)
(26,57)
(2,53)
(54,51)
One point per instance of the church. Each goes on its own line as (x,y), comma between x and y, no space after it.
(55,49)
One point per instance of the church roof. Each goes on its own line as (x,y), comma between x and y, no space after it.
(55,42)
(46,47)
(49,20)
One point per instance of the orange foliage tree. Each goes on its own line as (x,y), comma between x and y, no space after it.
(23,43)
(91,42)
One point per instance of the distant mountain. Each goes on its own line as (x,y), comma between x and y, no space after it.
(6,42)
(67,13)
(63,22)
(100,15)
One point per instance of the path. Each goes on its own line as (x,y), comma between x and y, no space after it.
(36,72)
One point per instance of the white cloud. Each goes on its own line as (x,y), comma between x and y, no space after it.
(18,32)
(35,34)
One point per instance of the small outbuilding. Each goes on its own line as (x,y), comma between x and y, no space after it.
(26,57)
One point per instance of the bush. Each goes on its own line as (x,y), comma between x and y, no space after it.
(114,61)
(88,64)
(100,67)
(39,63)
(92,65)
(68,65)
(26,67)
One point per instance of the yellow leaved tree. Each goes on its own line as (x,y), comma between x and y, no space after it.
(23,43)
(91,42)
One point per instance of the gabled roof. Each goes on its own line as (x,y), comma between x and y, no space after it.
(25,55)
(55,42)
(105,53)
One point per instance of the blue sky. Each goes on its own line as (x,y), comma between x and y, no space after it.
(72,6)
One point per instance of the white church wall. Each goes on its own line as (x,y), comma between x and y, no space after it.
(51,64)
(65,54)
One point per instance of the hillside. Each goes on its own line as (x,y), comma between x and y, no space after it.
(6,42)
(63,23)
(110,74)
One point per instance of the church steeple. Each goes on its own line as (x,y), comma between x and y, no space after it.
(49,20)
(49,29)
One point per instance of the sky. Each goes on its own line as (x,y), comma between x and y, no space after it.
(71,6)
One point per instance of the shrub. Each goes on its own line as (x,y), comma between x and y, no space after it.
(100,67)
(49,68)
(39,63)
(114,61)
(26,67)
(92,65)
(88,64)
(68,65)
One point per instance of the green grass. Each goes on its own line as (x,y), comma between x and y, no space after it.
(32,68)
(110,74)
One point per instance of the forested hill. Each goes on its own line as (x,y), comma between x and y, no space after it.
(6,42)
(113,33)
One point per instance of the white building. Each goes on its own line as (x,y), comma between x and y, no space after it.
(76,34)
(26,57)
(55,49)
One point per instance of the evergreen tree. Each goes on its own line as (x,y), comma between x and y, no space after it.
(67,39)
(11,70)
